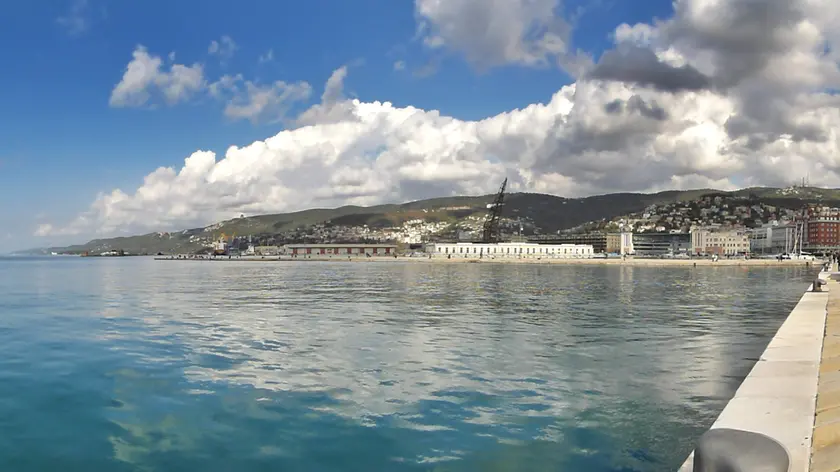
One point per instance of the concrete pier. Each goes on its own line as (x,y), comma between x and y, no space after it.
(825,447)
(778,398)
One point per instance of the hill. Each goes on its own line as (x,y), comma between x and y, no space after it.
(538,213)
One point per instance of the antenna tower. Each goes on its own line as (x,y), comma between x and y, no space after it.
(492,233)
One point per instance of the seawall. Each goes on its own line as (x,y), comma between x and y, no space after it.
(778,397)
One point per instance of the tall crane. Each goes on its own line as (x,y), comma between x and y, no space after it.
(491,232)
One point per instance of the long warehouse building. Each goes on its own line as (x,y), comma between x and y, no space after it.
(557,251)
(342,249)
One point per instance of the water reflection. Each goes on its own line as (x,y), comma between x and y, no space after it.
(319,366)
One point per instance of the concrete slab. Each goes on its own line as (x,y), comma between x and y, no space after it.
(804,352)
(778,386)
(784,369)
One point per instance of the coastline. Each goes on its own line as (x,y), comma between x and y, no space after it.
(443,260)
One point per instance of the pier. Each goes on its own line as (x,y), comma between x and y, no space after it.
(792,394)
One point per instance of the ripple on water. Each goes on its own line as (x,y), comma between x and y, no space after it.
(128,364)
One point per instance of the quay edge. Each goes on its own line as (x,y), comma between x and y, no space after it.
(778,397)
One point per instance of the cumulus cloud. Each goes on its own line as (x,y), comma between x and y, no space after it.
(146,77)
(641,66)
(495,32)
(148,80)
(630,130)
(334,108)
(258,102)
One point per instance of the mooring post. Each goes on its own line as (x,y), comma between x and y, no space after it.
(732,450)
(817,285)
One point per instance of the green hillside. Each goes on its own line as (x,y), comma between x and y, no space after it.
(549,213)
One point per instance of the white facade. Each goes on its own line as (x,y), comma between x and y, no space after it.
(627,243)
(699,240)
(556,251)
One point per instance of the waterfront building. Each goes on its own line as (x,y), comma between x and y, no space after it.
(772,239)
(627,243)
(760,239)
(266,250)
(341,249)
(660,244)
(823,229)
(513,249)
(598,241)
(613,243)
(706,241)
(699,240)
(782,238)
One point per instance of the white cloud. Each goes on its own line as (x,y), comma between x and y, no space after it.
(334,108)
(224,47)
(77,19)
(633,129)
(258,102)
(496,32)
(145,77)
(399,65)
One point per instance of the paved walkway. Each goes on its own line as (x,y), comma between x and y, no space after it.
(825,446)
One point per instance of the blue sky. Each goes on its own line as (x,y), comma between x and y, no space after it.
(61,143)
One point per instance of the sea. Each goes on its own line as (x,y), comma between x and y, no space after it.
(132,364)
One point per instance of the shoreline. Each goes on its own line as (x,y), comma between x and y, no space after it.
(443,260)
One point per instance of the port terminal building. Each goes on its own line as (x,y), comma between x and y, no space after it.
(341,249)
(513,249)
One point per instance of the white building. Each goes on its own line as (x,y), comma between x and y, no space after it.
(513,249)
(627,243)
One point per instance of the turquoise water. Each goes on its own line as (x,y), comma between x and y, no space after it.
(135,365)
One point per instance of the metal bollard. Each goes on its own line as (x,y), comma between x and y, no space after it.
(732,450)
(817,285)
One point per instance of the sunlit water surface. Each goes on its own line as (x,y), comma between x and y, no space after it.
(134,365)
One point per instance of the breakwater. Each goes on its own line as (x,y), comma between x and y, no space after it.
(778,397)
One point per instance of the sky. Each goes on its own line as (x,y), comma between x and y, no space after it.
(127,117)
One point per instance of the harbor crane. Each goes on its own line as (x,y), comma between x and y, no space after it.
(492,232)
